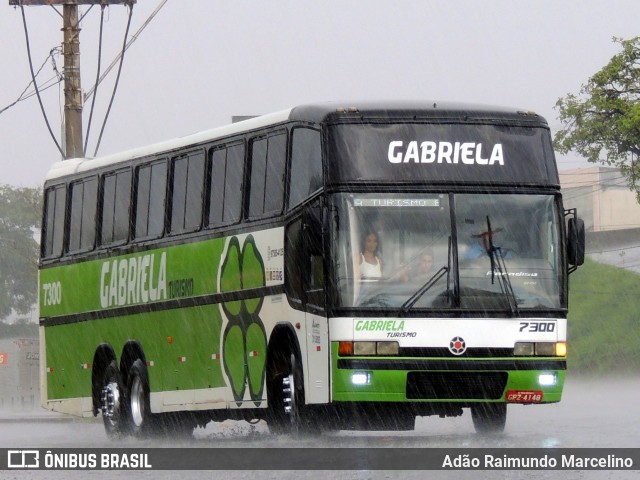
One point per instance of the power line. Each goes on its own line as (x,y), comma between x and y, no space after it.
(22,96)
(93,101)
(115,87)
(134,37)
(33,79)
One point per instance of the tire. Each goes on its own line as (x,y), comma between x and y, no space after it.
(489,418)
(288,414)
(138,409)
(112,403)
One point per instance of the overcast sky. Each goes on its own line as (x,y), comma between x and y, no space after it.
(199,62)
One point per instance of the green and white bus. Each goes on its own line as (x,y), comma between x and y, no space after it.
(328,266)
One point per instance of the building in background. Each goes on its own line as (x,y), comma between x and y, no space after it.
(610,211)
(19,374)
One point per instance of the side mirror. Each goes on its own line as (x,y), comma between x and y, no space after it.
(575,241)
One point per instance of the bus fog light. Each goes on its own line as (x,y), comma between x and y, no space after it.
(547,379)
(361,378)
(364,348)
(545,349)
(523,349)
(388,348)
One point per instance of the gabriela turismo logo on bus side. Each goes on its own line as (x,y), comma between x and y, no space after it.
(468,153)
(128,281)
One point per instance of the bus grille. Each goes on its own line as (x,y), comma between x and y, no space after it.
(471,352)
(456,385)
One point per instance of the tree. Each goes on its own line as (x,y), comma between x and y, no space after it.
(602,122)
(19,227)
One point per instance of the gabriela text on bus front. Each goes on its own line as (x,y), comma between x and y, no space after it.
(468,153)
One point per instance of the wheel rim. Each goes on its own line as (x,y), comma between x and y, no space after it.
(111,403)
(137,402)
(288,396)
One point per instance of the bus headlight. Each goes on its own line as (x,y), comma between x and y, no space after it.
(364,348)
(540,349)
(545,349)
(346,349)
(523,349)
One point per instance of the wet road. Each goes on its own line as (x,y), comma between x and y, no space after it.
(593,413)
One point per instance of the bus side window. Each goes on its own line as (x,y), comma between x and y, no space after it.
(82,216)
(116,196)
(187,186)
(266,186)
(226,174)
(306,165)
(53,228)
(150,200)
(293,261)
(304,262)
(313,266)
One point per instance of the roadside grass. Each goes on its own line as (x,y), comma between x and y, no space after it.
(604,320)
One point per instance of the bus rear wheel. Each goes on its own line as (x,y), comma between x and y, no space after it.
(112,402)
(489,418)
(141,420)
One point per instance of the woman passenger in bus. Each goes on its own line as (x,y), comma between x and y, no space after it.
(370,264)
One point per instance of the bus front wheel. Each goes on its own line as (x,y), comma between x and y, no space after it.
(287,399)
(112,402)
(489,418)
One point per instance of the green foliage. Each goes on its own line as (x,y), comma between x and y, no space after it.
(20,213)
(603,320)
(20,329)
(602,122)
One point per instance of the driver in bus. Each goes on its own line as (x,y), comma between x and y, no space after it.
(482,245)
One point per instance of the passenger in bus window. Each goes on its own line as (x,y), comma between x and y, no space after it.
(421,270)
(370,264)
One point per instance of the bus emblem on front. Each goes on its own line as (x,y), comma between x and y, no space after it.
(457,346)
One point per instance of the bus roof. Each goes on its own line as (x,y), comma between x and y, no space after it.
(328,112)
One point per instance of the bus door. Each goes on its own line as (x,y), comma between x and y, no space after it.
(305,267)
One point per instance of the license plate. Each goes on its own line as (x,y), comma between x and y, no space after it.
(524,396)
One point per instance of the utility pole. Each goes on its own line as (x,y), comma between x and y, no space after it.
(73,147)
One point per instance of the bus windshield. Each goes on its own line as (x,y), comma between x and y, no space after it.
(395,251)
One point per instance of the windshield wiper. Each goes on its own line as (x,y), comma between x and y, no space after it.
(411,301)
(497,261)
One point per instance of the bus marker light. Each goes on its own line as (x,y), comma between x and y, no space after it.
(169,339)
(561,349)
(298,325)
(49,369)
(253,354)
(318,348)
(182,359)
(361,378)
(150,363)
(215,356)
(345,348)
(85,366)
(547,379)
